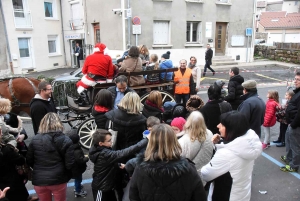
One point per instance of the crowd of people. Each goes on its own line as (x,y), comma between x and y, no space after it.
(188,150)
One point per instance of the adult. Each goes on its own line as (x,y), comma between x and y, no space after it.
(133,63)
(128,121)
(184,83)
(235,88)
(231,167)
(51,155)
(161,174)
(120,90)
(166,63)
(153,106)
(196,71)
(253,107)
(196,142)
(292,136)
(97,68)
(208,57)
(212,110)
(78,54)
(41,104)
(144,54)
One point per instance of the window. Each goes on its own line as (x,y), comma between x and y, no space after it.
(53,44)
(50,8)
(161,33)
(18,8)
(193,32)
(224,2)
(23,47)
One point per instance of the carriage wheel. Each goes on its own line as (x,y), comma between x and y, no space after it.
(166,96)
(85,132)
(75,120)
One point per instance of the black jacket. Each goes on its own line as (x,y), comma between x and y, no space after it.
(106,164)
(80,161)
(114,92)
(293,110)
(174,180)
(208,54)
(150,110)
(51,155)
(235,90)
(38,109)
(130,127)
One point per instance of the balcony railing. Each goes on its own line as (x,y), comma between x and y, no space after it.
(22,19)
(76,24)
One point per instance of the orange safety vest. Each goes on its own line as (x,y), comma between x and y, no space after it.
(183,87)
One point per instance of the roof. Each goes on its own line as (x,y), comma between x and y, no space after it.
(281,19)
(261,4)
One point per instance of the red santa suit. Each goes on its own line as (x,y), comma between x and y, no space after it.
(96,64)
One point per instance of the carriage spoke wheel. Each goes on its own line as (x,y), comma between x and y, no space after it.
(166,96)
(75,120)
(85,132)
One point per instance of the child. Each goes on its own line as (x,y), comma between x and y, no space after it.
(151,121)
(270,118)
(280,115)
(177,126)
(153,65)
(106,164)
(80,163)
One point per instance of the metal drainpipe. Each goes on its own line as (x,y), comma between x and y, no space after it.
(129,25)
(7,41)
(62,31)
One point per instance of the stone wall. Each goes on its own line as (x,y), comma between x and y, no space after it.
(270,52)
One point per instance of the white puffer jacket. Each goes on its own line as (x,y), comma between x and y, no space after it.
(237,159)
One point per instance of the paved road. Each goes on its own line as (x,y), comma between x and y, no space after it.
(266,175)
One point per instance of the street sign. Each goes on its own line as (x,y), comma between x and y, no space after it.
(136,20)
(128,11)
(248,31)
(136,29)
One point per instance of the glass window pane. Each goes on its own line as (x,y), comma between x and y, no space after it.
(188,31)
(17,4)
(195,28)
(52,46)
(48,9)
(23,47)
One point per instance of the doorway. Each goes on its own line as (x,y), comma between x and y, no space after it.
(72,50)
(96,33)
(220,38)
(25,53)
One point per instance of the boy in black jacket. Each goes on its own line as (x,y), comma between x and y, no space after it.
(80,163)
(106,164)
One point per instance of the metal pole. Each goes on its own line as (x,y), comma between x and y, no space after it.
(7,41)
(129,24)
(123,25)
(136,40)
(247,48)
(62,32)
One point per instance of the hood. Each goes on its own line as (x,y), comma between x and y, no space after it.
(167,63)
(247,146)
(50,137)
(38,97)
(119,116)
(237,78)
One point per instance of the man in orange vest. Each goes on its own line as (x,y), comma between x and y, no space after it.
(184,81)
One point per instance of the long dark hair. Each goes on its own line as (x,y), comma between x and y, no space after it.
(104,99)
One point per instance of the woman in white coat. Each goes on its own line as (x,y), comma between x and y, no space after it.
(196,142)
(231,167)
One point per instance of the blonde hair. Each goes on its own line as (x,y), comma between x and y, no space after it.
(195,127)
(145,48)
(155,98)
(50,123)
(131,103)
(154,59)
(5,105)
(273,94)
(163,144)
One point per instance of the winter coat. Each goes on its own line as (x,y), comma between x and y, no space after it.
(231,168)
(208,55)
(270,118)
(131,64)
(39,107)
(98,64)
(150,109)
(79,166)
(293,110)
(166,64)
(175,180)
(9,176)
(198,152)
(254,109)
(106,164)
(152,78)
(129,126)
(113,92)
(235,90)
(51,155)
(98,112)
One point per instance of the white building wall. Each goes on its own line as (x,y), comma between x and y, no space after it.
(291,6)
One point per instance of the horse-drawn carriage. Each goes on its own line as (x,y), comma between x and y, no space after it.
(80,117)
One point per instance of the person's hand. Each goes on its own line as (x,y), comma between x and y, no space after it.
(20,138)
(3,193)
(216,138)
(122,166)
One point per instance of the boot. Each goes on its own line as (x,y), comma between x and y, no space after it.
(84,99)
(203,75)
(281,144)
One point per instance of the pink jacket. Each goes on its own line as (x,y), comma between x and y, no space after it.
(270,118)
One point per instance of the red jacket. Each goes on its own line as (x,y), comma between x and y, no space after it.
(270,118)
(99,64)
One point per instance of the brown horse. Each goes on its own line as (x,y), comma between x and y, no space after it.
(19,91)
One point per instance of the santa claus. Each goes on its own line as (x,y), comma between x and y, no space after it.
(97,68)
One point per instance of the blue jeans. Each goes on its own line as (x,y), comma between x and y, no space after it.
(77,182)
(182,97)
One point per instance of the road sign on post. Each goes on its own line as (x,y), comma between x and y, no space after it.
(136,20)
(248,31)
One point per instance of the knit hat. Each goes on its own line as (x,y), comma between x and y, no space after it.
(178,122)
(100,47)
(194,103)
(166,55)
(220,83)
(249,84)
